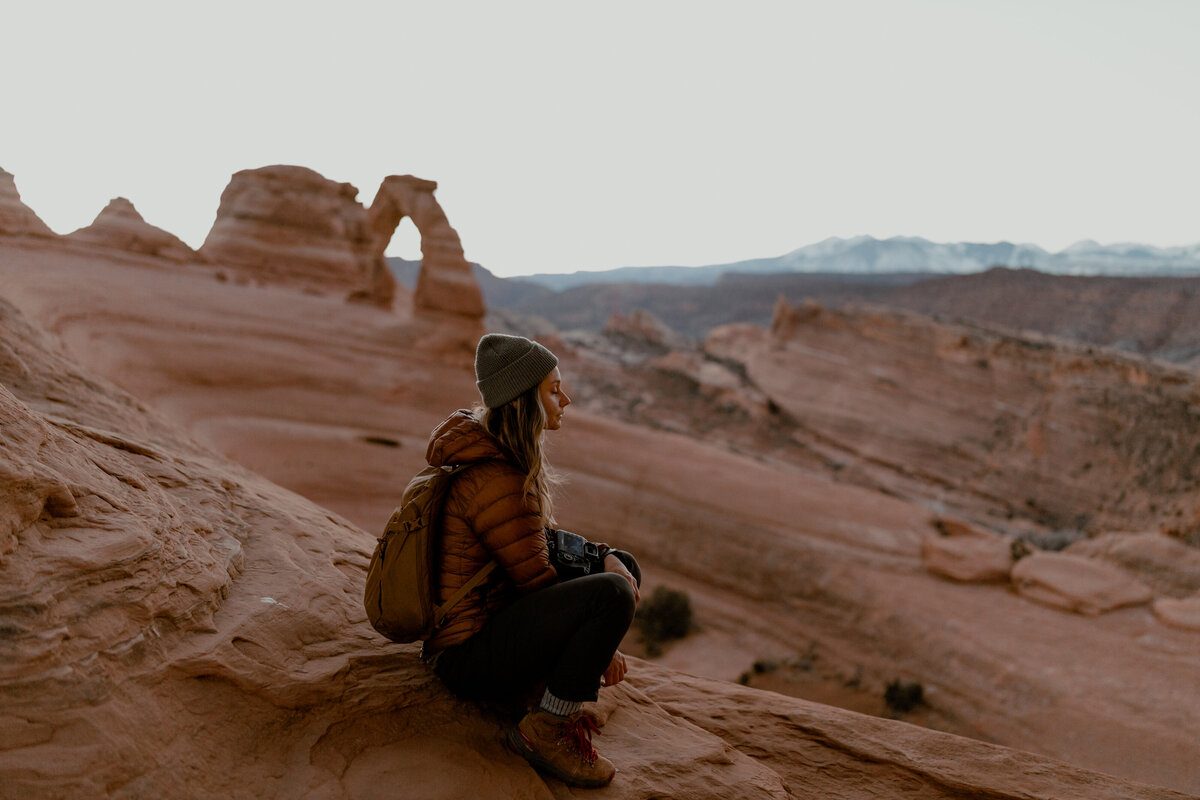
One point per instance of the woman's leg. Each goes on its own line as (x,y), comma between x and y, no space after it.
(565,634)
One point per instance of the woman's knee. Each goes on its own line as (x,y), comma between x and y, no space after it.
(616,591)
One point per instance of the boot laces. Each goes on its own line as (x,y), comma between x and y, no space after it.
(577,733)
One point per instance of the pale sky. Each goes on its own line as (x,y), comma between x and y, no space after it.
(572,136)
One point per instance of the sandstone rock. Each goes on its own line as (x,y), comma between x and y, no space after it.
(737,342)
(1075,583)
(290,225)
(642,326)
(1165,564)
(153,591)
(863,757)
(16,218)
(966,553)
(178,598)
(780,555)
(121,227)
(445,282)
(1178,613)
(1032,429)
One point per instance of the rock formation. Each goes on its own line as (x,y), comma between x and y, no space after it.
(176,625)
(445,282)
(1035,430)
(966,553)
(290,225)
(120,227)
(1152,315)
(1077,583)
(16,218)
(1183,614)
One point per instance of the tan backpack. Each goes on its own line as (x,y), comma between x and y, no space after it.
(401,580)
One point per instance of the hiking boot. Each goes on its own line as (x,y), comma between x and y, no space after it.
(562,748)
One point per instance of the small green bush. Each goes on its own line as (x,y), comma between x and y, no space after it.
(665,615)
(902,696)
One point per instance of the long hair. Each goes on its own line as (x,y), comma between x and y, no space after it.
(520,427)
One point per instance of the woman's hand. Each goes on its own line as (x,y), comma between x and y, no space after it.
(616,670)
(617,566)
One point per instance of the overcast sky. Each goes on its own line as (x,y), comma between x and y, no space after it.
(572,136)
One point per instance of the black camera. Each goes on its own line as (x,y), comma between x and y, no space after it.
(572,551)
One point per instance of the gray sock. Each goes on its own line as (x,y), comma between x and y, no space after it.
(559,707)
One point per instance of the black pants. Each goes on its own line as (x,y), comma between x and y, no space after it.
(565,635)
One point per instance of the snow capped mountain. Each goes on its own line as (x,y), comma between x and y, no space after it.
(868,255)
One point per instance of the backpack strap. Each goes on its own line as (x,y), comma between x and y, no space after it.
(439,613)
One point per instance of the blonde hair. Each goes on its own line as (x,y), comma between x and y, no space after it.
(520,427)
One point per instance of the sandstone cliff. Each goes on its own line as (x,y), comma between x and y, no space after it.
(120,227)
(1155,316)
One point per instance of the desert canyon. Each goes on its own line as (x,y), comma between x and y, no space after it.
(200,446)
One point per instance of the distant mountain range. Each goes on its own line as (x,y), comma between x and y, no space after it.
(905,254)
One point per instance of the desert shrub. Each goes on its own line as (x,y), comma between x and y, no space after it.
(1054,541)
(665,615)
(902,696)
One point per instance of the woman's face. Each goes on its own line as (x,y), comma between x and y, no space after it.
(554,399)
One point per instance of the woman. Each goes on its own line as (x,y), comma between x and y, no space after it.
(524,626)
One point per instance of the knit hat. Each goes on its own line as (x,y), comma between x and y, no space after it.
(506,366)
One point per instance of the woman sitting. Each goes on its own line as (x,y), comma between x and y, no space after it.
(527,625)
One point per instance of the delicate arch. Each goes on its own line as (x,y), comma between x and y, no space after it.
(446,282)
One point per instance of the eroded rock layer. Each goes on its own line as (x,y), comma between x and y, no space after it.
(1071,438)
(16,218)
(120,227)
(291,225)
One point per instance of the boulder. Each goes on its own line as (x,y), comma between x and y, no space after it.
(965,553)
(16,218)
(1178,613)
(643,326)
(1165,564)
(1075,583)
(120,227)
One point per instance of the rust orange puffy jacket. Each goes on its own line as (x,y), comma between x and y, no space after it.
(486,517)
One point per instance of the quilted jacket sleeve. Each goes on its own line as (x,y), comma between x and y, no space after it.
(510,529)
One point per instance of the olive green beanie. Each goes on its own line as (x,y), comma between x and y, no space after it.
(506,366)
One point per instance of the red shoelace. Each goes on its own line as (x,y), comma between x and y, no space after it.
(577,732)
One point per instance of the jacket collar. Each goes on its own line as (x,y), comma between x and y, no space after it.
(460,439)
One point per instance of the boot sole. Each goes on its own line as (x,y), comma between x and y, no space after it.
(518,746)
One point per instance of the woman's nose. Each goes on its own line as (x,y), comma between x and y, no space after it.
(566,400)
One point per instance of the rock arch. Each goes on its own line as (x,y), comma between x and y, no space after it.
(446,282)
(291,225)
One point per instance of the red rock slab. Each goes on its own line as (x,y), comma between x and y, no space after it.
(824,752)
(1183,614)
(1164,563)
(973,559)
(1075,583)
